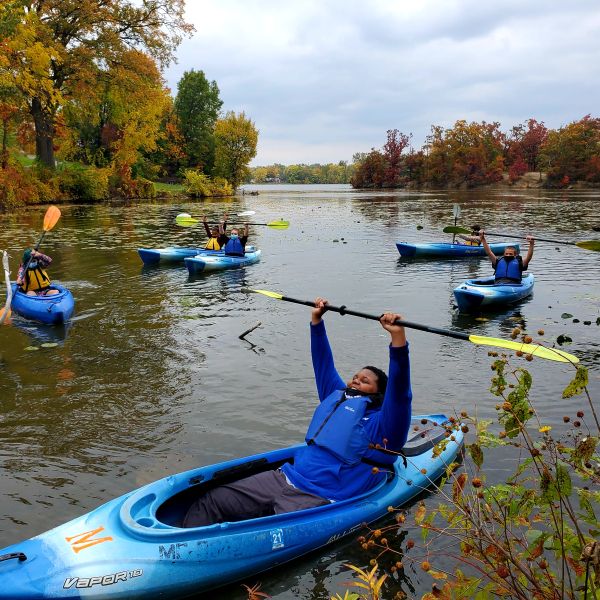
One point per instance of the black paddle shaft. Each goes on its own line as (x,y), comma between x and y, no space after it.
(35,250)
(342,310)
(520,237)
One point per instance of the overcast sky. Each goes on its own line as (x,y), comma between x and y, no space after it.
(323,79)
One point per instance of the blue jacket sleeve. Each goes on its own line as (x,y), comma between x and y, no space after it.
(326,376)
(397,404)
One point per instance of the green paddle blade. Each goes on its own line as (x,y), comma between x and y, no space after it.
(185,220)
(533,349)
(589,245)
(456,229)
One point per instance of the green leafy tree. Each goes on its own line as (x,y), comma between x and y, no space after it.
(58,50)
(197,107)
(236,138)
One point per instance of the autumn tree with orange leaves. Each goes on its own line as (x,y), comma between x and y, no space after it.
(56,51)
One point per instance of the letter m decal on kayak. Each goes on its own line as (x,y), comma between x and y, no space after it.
(81,541)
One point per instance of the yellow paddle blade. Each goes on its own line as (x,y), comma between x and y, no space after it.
(278,224)
(5,319)
(533,349)
(589,245)
(51,217)
(267,293)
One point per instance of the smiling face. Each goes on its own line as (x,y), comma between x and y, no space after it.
(364,381)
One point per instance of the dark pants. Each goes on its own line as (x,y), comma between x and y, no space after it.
(259,495)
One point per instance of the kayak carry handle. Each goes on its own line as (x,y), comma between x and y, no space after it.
(12,555)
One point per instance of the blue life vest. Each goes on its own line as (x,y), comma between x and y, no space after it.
(509,269)
(338,426)
(234,247)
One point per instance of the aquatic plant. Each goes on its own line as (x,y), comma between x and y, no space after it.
(533,535)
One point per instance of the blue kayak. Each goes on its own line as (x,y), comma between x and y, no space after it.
(134,547)
(54,309)
(447,250)
(174,254)
(204,263)
(482,294)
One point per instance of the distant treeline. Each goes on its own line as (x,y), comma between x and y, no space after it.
(472,154)
(330,173)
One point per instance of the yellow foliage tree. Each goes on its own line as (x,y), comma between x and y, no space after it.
(236,138)
(57,50)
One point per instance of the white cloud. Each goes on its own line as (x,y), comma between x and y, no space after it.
(323,80)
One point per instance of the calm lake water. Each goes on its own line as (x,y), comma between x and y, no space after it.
(150,377)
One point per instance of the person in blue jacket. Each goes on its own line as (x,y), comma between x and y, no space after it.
(236,241)
(354,437)
(509,267)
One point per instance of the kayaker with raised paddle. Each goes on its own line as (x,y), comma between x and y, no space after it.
(236,241)
(355,435)
(217,239)
(32,277)
(473,239)
(509,267)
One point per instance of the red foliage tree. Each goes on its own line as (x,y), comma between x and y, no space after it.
(392,152)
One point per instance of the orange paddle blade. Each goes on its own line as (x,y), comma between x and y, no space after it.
(51,217)
(3,319)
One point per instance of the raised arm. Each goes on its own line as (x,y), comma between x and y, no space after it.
(397,404)
(529,256)
(327,378)
(487,248)
(206,227)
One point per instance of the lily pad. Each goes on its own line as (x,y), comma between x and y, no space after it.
(563,339)
(575,320)
(587,322)
(419,227)
(49,345)
(566,316)
(31,348)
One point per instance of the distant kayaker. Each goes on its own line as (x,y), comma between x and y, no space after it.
(352,441)
(217,239)
(473,239)
(236,243)
(34,282)
(508,268)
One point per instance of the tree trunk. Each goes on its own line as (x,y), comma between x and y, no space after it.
(4,158)
(44,134)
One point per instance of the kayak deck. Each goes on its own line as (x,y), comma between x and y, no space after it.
(51,310)
(203,263)
(448,250)
(483,294)
(134,547)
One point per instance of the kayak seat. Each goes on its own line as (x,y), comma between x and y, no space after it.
(173,511)
(423,436)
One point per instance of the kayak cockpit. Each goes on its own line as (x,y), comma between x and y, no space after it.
(157,510)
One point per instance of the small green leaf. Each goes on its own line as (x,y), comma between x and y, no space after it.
(49,345)
(563,480)
(476,454)
(563,338)
(578,383)
(566,316)
(31,348)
